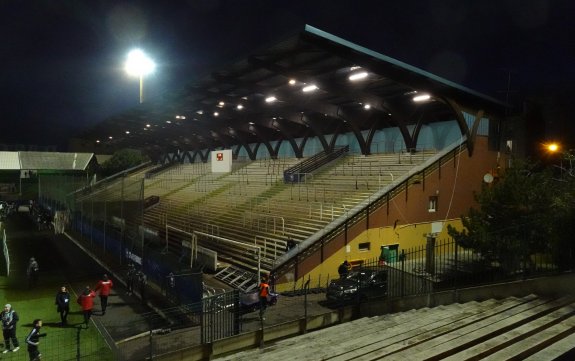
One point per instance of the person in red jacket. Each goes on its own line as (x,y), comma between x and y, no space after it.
(86,300)
(104,287)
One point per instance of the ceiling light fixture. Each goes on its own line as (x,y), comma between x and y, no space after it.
(240,107)
(421,98)
(271,99)
(292,82)
(358,76)
(367,107)
(309,88)
(216,114)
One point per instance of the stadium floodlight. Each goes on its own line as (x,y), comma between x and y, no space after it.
(138,64)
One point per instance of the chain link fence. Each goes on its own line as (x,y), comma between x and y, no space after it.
(70,343)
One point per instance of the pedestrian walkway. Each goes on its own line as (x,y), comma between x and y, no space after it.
(65,261)
(128,321)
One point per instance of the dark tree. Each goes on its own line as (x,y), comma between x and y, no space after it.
(526,211)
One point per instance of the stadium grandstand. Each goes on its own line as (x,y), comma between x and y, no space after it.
(380,154)
(303,155)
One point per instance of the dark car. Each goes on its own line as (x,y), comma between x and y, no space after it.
(359,284)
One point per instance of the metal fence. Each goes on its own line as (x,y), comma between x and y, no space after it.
(441,265)
(437,266)
(71,343)
(215,318)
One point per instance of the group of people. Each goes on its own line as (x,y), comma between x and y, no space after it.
(86,298)
(10,319)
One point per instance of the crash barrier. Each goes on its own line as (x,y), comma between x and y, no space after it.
(298,172)
(5,250)
(159,169)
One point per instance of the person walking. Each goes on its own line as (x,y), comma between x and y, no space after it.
(171,285)
(264,291)
(142,283)
(86,300)
(33,272)
(104,287)
(33,340)
(63,304)
(130,278)
(344,269)
(9,320)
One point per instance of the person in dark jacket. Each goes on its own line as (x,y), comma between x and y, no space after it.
(104,287)
(344,269)
(63,304)
(9,319)
(33,340)
(33,272)
(86,300)
(130,278)
(142,284)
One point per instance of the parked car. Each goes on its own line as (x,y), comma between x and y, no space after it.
(359,284)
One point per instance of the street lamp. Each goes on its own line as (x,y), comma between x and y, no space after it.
(553,147)
(138,64)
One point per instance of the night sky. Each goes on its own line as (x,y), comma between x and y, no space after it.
(62,60)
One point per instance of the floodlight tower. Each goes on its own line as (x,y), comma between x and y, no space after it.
(139,64)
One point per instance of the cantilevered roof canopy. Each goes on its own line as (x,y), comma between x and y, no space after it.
(313,83)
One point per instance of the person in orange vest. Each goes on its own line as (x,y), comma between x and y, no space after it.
(264,292)
(86,300)
(103,287)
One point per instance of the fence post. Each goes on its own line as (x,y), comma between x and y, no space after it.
(430,255)
(403,278)
(455,278)
(151,357)
(306,289)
